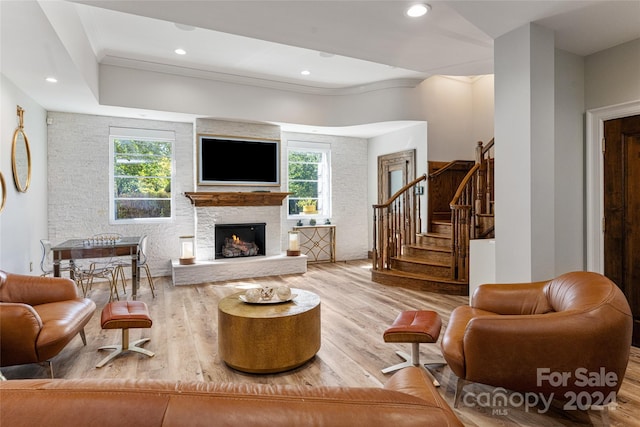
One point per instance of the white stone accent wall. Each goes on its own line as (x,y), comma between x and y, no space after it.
(78,202)
(349,199)
(208,217)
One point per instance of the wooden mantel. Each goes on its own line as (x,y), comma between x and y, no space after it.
(237,198)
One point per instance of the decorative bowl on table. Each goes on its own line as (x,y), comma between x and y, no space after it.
(267,295)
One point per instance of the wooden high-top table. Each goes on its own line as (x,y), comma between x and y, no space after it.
(267,338)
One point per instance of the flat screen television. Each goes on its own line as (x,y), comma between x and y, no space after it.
(226,160)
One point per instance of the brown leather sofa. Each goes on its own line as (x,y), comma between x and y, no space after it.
(39,316)
(407,399)
(559,337)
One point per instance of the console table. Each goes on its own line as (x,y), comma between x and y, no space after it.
(318,242)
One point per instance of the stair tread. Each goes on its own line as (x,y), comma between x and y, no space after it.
(441,222)
(431,248)
(422,261)
(436,235)
(420,276)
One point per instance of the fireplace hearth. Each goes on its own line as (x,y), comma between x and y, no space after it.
(239,240)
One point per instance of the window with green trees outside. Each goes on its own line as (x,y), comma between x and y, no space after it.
(142,173)
(309,179)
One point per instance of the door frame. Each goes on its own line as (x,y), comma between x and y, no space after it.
(595,178)
(406,158)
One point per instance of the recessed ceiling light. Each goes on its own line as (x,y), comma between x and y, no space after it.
(180,51)
(418,10)
(305,72)
(51,80)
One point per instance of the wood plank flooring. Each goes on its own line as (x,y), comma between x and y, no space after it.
(355,313)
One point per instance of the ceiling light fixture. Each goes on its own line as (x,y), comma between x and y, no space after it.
(51,80)
(418,10)
(305,72)
(180,51)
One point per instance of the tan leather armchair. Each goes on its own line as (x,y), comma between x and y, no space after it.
(39,316)
(556,337)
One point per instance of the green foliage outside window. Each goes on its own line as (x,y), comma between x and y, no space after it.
(304,169)
(142,178)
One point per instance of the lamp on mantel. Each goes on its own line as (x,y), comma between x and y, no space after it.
(294,244)
(187,250)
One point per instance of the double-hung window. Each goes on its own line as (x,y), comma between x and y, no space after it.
(309,179)
(141,174)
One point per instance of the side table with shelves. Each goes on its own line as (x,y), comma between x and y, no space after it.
(318,242)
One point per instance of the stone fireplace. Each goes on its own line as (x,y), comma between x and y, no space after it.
(216,213)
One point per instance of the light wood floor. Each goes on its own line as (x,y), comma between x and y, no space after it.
(355,313)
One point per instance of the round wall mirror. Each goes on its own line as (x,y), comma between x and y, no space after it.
(21,156)
(3,190)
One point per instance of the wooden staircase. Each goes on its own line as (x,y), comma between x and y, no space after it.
(435,260)
(425,265)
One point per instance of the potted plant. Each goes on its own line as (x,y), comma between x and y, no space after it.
(308,206)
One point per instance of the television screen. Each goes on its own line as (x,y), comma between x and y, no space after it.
(235,161)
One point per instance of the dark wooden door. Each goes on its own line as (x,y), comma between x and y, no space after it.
(622,210)
(395,170)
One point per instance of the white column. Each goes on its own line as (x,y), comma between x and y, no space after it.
(524,155)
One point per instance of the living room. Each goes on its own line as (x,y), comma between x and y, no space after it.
(548,228)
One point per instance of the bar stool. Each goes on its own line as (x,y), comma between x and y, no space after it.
(415,327)
(125,315)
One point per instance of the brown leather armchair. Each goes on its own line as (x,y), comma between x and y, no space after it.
(557,337)
(39,316)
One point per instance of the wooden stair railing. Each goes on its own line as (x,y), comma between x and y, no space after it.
(396,222)
(473,198)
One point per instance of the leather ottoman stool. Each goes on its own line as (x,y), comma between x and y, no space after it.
(415,327)
(125,315)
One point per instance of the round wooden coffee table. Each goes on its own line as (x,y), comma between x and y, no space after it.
(267,338)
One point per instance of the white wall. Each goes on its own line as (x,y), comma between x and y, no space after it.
(23,222)
(79,184)
(447,105)
(569,162)
(482,111)
(612,76)
(349,184)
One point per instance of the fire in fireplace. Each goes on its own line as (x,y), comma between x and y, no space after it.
(239,240)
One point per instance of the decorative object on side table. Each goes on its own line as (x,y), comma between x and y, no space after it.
(312,221)
(294,244)
(187,250)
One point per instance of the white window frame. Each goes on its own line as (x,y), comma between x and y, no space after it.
(146,135)
(324,184)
